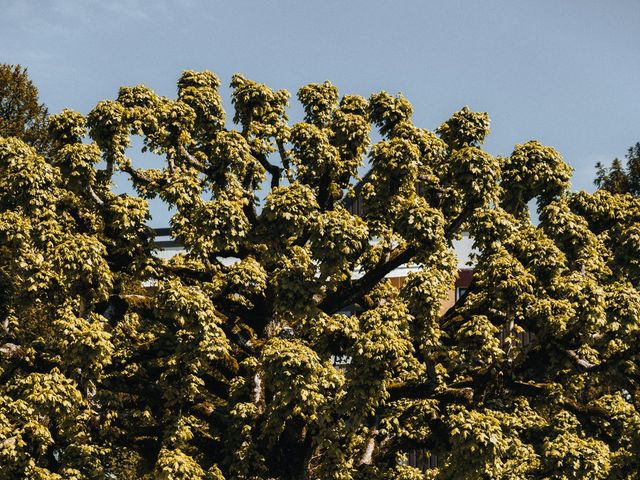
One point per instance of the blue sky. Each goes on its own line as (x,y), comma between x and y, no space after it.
(564,72)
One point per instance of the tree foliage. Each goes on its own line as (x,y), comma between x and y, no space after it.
(217,363)
(618,178)
(21,113)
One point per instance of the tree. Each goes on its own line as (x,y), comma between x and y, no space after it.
(216,364)
(21,114)
(633,168)
(619,179)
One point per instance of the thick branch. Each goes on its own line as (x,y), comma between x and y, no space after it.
(586,410)
(95,196)
(207,412)
(453,227)
(324,192)
(283,154)
(358,288)
(250,212)
(367,455)
(110,166)
(581,362)
(274,170)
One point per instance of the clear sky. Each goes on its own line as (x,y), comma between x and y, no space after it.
(565,72)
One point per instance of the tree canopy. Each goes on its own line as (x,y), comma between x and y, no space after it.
(217,363)
(21,113)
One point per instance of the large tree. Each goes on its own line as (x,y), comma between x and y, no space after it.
(21,113)
(217,364)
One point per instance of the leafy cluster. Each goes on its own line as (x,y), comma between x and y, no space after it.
(219,363)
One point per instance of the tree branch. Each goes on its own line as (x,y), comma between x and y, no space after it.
(581,362)
(273,170)
(453,227)
(324,192)
(283,154)
(461,392)
(140,177)
(191,160)
(354,290)
(207,412)
(367,455)
(95,196)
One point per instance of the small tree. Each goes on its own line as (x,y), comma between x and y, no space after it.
(217,363)
(21,114)
(618,178)
(633,168)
